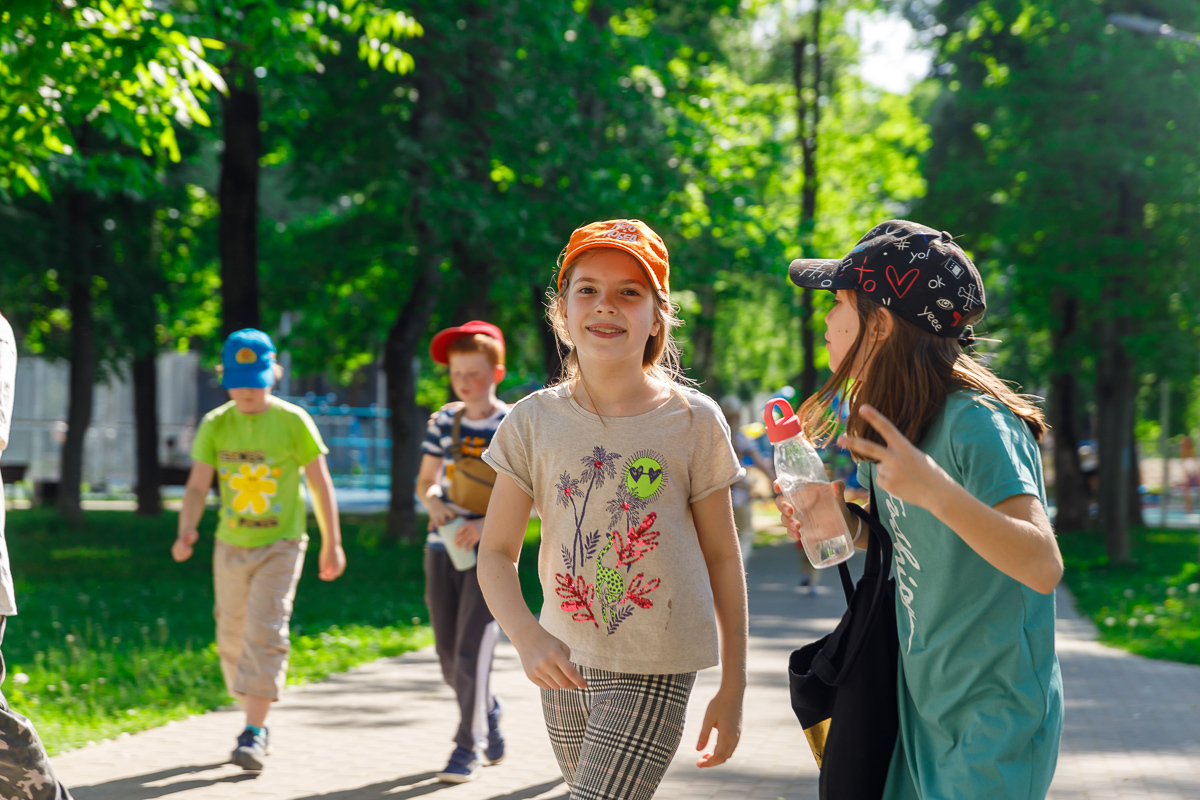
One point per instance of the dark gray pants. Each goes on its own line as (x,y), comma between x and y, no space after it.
(464,636)
(25,772)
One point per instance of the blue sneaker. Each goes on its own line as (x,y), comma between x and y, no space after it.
(251,749)
(494,752)
(463,766)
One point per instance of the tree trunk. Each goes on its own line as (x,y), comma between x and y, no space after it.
(83,355)
(476,269)
(1070,485)
(809,121)
(1137,518)
(407,431)
(1115,405)
(145,414)
(241,112)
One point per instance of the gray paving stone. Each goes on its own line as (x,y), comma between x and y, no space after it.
(381,731)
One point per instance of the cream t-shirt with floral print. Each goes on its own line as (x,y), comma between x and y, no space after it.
(625,582)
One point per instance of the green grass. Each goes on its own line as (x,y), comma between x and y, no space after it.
(113,636)
(1151,607)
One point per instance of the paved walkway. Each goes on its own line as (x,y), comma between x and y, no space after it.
(380,732)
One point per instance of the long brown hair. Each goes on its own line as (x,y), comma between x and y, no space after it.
(661,357)
(907,379)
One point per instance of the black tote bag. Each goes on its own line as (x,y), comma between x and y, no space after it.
(843,685)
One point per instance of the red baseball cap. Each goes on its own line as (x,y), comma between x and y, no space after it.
(631,235)
(440,346)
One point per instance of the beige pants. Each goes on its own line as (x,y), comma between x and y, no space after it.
(254,589)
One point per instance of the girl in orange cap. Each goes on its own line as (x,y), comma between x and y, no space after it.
(630,471)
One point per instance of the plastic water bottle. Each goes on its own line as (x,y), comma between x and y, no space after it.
(805,485)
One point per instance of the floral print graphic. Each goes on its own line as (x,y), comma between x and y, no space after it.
(254,489)
(614,595)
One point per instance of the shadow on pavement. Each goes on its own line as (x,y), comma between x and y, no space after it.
(533,791)
(409,786)
(136,788)
(423,784)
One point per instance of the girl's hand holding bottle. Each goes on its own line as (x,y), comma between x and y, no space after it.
(804,483)
(792,517)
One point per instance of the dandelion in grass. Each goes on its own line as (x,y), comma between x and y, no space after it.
(1171,591)
(1128,594)
(1149,619)
(1193,588)
(1133,622)
(1110,621)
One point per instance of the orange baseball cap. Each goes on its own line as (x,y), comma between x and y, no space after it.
(631,235)
(439,348)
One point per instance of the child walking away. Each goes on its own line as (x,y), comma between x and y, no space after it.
(639,562)
(455,485)
(952,453)
(257,445)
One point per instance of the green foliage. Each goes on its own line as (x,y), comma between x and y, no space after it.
(1064,150)
(646,111)
(293,37)
(1151,608)
(113,636)
(117,66)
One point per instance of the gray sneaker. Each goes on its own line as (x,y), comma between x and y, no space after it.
(251,750)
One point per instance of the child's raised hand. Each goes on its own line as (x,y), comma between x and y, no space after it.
(547,661)
(902,470)
(724,713)
(182,549)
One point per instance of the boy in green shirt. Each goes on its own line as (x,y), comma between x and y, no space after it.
(257,445)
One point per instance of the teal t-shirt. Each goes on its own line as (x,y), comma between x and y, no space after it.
(980,693)
(258,459)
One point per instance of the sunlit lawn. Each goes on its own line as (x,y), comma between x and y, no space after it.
(114,636)
(1152,607)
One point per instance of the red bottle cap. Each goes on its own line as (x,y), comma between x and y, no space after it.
(784,428)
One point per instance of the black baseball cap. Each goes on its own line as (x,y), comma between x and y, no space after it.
(919,273)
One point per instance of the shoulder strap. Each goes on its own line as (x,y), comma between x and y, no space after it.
(456,433)
(879,565)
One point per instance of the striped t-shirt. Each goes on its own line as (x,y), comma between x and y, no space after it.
(476,435)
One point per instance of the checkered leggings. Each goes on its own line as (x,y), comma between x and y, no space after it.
(615,739)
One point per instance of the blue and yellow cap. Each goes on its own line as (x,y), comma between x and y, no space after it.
(249,359)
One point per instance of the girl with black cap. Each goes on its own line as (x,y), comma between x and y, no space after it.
(952,452)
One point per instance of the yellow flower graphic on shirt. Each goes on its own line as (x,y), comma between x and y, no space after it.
(254,489)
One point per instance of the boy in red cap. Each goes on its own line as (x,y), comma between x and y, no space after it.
(455,486)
